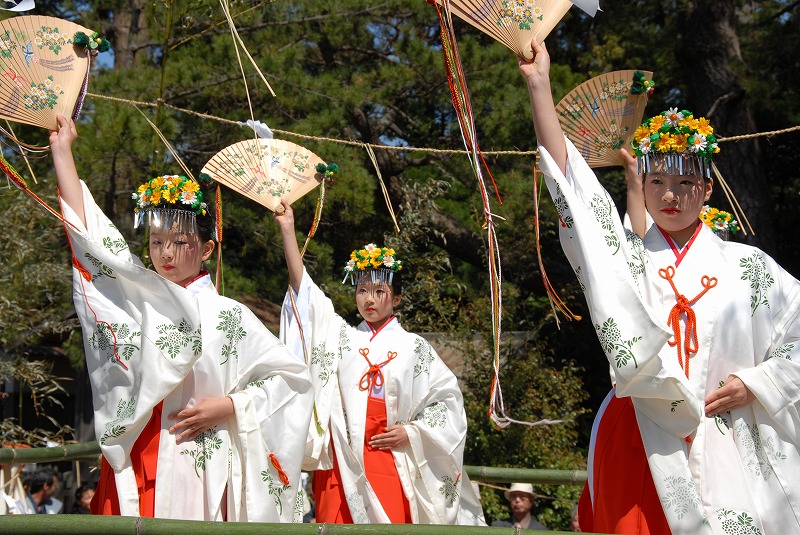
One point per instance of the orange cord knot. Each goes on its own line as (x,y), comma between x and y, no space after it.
(281,474)
(83,271)
(684,306)
(373,376)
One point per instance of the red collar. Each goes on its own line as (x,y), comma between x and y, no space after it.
(680,253)
(376,331)
(199,276)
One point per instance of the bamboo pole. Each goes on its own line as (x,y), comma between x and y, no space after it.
(88,451)
(122,525)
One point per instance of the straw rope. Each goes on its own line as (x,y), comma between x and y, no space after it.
(361,144)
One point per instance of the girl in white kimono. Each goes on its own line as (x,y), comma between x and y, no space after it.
(701,335)
(200,412)
(388,432)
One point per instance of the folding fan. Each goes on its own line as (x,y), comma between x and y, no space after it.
(601,115)
(42,72)
(266,170)
(515,22)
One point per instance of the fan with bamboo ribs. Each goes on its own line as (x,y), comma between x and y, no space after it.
(267,170)
(514,22)
(43,70)
(601,115)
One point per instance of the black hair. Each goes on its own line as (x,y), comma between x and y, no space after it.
(397,283)
(37,480)
(82,489)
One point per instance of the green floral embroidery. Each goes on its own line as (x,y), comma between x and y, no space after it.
(115,246)
(257,384)
(448,489)
(782,352)
(611,138)
(674,404)
(578,276)
(344,340)
(323,359)
(174,338)
(297,517)
(734,523)
(760,452)
(424,357)
(562,208)
(636,263)
(42,95)
(125,410)
(357,510)
(105,337)
(205,445)
(611,340)
(681,493)
(435,415)
(275,489)
(103,269)
(231,324)
(721,422)
(755,270)
(603,208)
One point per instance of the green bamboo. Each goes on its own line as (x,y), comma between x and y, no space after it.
(121,525)
(492,474)
(89,451)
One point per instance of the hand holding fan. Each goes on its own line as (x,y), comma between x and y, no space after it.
(515,22)
(43,71)
(600,115)
(268,170)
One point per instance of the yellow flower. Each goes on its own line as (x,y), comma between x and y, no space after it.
(141,189)
(680,142)
(665,143)
(172,195)
(704,127)
(157,182)
(362,264)
(641,133)
(656,123)
(155,198)
(191,185)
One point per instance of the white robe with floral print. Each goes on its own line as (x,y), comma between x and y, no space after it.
(738,472)
(420,392)
(182,345)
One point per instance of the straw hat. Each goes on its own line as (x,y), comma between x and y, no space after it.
(527,488)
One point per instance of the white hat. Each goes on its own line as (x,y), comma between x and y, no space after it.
(527,488)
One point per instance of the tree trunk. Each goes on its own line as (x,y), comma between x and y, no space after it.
(711,58)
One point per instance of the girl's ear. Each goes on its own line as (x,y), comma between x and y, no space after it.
(208,248)
(396,300)
(709,187)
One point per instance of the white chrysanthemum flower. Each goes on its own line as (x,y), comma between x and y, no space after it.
(135,196)
(369,247)
(645,145)
(351,265)
(188,197)
(674,117)
(697,143)
(388,261)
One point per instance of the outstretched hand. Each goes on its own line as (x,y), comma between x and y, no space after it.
(731,395)
(61,139)
(536,72)
(201,417)
(285,219)
(629,161)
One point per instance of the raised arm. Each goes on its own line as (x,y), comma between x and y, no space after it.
(545,120)
(637,212)
(69,185)
(291,251)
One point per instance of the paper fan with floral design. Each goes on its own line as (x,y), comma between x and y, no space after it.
(601,115)
(43,72)
(266,170)
(515,22)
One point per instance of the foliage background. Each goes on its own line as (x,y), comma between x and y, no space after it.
(372,72)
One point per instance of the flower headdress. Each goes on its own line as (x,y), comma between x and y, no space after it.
(721,222)
(169,200)
(683,143)
(372,264)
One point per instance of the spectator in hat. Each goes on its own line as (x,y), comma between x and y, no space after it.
(520,498)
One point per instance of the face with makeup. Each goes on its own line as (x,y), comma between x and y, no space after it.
(674,202)
(178,256)
(376,301)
